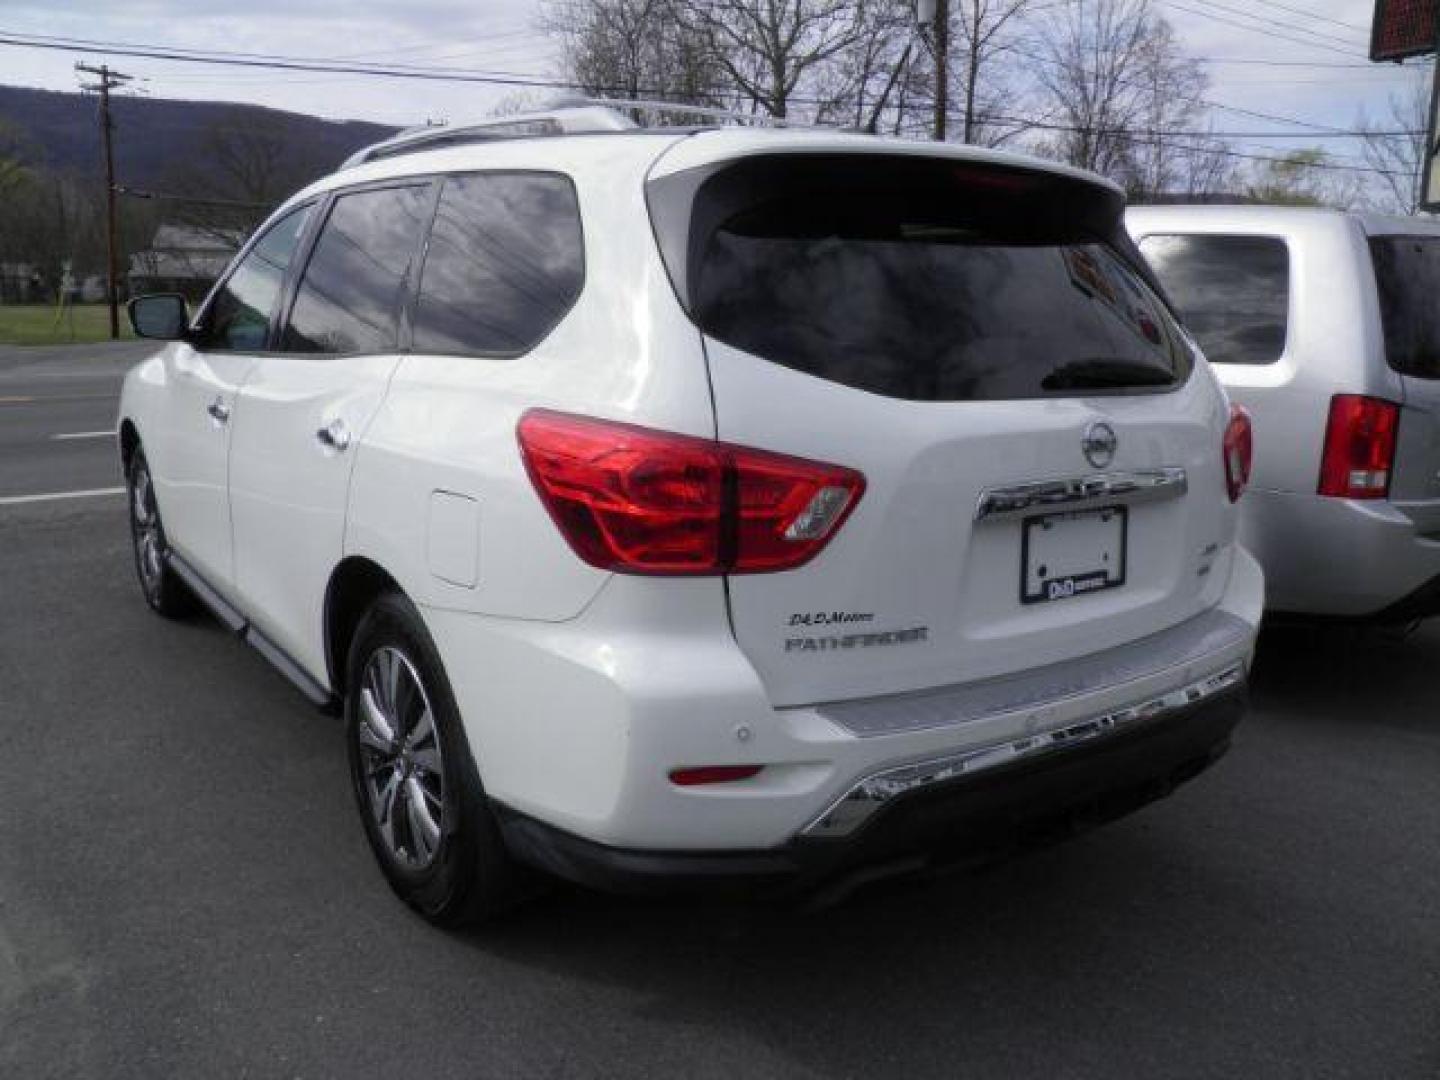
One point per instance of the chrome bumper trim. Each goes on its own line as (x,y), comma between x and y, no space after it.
(867,796)
(1141,485)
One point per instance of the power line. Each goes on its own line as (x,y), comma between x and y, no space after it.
(1315,16)
(161,196)
(1040,58)
(1352,52)
(261,60)
(1348,43)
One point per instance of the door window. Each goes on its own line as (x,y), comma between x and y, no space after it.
(350,295)
(504,264)
(240,314)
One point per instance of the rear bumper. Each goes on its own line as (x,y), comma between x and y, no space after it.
(1336,558)
(577,725)
(951,819)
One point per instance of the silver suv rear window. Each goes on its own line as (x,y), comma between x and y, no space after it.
(1407,272)
(1233,292)
(925,279)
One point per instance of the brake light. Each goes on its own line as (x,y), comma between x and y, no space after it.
(1238,448)
(1359,447)
(639,501)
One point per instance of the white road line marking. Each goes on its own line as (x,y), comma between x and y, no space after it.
(86,435)
(52,496)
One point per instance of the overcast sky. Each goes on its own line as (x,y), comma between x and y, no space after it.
(500,36)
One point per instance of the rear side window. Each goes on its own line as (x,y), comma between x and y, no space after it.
(925,279)
(1233,292)
(505,262)
(349,298)
(1407,272)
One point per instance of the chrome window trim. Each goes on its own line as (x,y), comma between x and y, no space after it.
(1133,486)
(869,794)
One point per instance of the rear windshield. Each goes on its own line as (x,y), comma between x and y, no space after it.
(1233,292)
(1407,272)
(926,280)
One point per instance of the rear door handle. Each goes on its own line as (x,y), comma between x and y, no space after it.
(335,435)
(219,411)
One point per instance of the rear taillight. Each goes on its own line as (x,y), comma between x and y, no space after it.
(638,501)
(1359,447)
(1237,448)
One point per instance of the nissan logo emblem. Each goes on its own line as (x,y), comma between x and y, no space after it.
(1099,444)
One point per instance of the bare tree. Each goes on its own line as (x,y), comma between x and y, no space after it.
(1129,103)
(978,28)
(635,49)
(1170,150)
(859,86)
(1395,148)
(768,47)
(1092,59)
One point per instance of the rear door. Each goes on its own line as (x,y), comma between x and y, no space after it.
(1407,277)
(305,408)
(960,333)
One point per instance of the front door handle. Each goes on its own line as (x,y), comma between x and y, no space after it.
(219,411)
(335,435)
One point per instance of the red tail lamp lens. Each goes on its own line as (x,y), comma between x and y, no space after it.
(1359,447)
(1238,449)
(640,501)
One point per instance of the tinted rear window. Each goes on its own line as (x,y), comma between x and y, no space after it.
(925,280)
(1407,271)
(504,264)
(1233,292)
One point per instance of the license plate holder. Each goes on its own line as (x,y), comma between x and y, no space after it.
(1072,553)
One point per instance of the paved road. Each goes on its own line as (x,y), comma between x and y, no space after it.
(185,891)
(69,390)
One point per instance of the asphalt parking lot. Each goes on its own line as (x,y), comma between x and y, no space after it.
(185,890)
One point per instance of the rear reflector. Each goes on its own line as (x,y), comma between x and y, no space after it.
(1359,447)
(639,501)
(713,774)
(1238,449)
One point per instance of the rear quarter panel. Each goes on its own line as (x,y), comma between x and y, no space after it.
(625,351)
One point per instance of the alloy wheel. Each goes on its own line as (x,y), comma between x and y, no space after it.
(149,541)
(402,771)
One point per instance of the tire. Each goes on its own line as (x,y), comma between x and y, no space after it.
(162,588)
(415,780)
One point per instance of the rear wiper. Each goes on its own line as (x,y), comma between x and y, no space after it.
(1100,373)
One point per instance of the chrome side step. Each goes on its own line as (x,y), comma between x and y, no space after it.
(234,621)
(867,796)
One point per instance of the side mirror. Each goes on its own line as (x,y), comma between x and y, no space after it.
(163,316)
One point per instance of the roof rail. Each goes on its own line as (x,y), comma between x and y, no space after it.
(588,117)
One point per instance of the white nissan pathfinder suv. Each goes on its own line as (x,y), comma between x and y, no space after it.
(682,507)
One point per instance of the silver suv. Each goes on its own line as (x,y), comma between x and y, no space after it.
(1325,326)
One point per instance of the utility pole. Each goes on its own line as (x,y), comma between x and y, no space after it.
(108,80)
(933,22)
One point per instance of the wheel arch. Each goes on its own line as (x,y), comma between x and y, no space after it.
(354,585)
